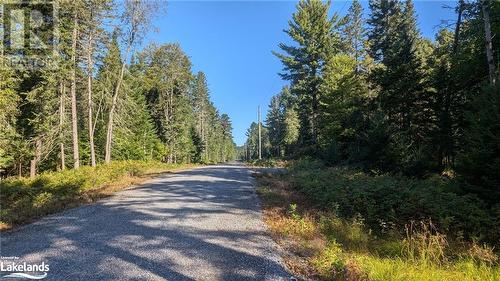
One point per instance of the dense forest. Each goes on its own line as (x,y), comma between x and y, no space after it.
(105,100)
(372,93)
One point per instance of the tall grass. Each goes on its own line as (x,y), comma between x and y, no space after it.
(368,230)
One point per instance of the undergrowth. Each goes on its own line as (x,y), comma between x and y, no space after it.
(373,238)
(25,199)
(266,162)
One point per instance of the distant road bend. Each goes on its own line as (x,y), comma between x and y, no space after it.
(200,224)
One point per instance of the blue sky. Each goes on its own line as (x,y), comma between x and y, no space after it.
(231,41)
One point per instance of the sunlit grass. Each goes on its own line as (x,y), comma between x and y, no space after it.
(398,269)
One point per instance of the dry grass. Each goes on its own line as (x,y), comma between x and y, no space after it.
(295,226)
(321,246)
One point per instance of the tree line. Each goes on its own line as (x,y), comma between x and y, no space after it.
(106,101)
(373,93)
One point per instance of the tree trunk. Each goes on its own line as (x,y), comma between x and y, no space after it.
(32,168)
(109,133)
(74,121)
(489,45)
(36,159)
(61,124)
(90,68)
(457,26)
(314,118)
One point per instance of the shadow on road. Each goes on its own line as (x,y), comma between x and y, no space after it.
(202,224)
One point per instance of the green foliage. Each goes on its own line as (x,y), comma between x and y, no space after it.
(282,123)
(147,115)
(303,65)
(347,248)
(252,143)
(386,100)
(389,202)
(479,161)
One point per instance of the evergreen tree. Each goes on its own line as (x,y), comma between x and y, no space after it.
(311,30)
(402,96)
(479,160)
(275,125)
(353,35)
(201,104)
(168,75)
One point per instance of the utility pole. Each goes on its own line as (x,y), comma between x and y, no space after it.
(260,136)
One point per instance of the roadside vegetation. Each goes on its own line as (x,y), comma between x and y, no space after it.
(25,199)
(343,224)
(108,99)
(111,111)
(267,163)
(399,133)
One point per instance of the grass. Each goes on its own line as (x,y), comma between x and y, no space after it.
(23,199)
(321,244)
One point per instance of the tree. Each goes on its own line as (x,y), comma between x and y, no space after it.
(275,125)
(117,107)
(400,79)
(353,35)
(282,122)
(95,13)
(303,64)
(485,6)
(479,161)
(227,138)
(169,76)
(136,19)
(74,113)
(9,102)
(201,104)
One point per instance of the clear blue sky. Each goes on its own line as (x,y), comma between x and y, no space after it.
(231,41)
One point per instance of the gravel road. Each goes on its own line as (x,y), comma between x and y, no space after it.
(200,224)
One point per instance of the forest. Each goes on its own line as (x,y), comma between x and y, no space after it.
(107,98)
(372,93)
(388,136)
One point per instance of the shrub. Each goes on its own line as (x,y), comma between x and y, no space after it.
(388,202)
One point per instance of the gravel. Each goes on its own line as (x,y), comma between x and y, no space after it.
(199,224)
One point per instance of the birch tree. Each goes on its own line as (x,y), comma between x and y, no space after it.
(136,20)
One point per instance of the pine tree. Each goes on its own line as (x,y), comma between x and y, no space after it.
(311,30)
(479,160)
(9,103)
(275,125)
(394,38)
(353,35)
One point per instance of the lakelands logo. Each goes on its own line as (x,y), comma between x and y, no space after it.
(15,269)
